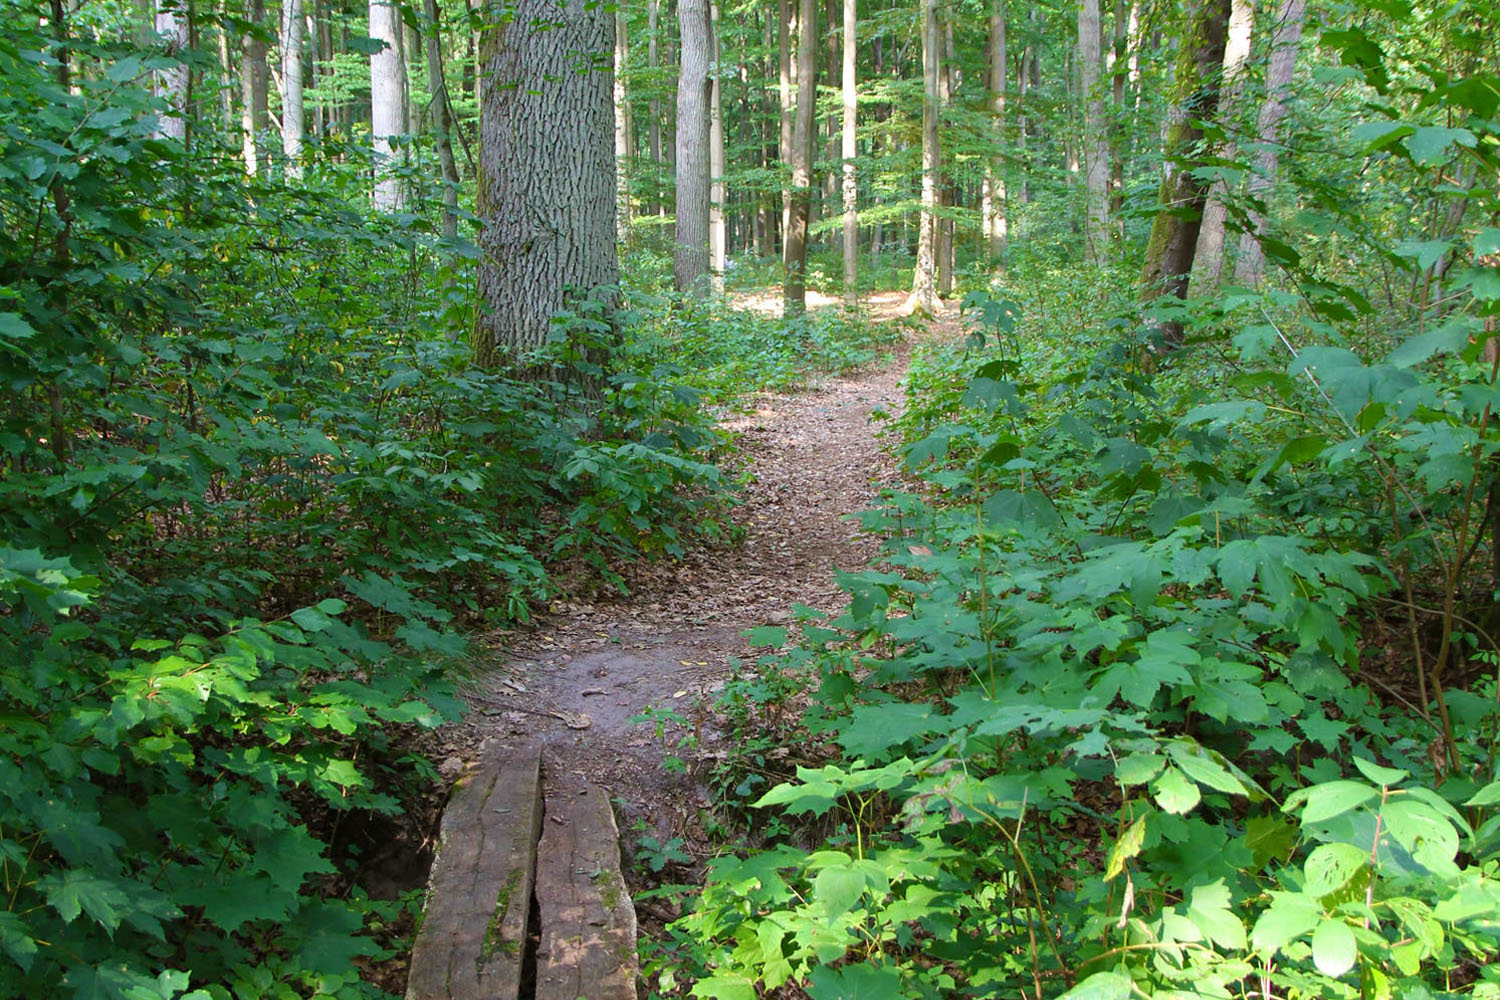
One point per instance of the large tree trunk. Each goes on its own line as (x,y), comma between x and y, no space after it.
(924,278)
(1208,258)
(442,114)
(718,232)
(172,82)
(794,289)
(546,171)
(293,129)
(992,202)
(254,111)
(690,256)
(1251,266)
(622,129)
(849,151)
(387,113)
(1095,135)
(1195,98)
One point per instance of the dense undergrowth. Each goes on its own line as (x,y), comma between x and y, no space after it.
(1179,676)
(253,492)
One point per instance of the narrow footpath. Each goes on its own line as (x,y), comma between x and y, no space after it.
(579,676)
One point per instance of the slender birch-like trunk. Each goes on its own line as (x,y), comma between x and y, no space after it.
(794,290)
(293,127)
(1250,269)
(849,150)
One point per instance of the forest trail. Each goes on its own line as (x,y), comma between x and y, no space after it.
(582,671)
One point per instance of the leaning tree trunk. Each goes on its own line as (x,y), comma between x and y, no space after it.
(172,82)
(690,255)
(292,123)
(546,172)
(849,151)
(442,114)
(924,278)
(1208,258)
(1251,266)
(387,110)
(1095,135)
(1195,99)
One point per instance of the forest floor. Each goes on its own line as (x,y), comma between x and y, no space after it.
(583,673)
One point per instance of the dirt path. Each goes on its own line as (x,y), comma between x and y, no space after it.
(584,671)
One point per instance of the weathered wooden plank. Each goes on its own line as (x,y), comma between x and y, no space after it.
(588,933)
(473,934)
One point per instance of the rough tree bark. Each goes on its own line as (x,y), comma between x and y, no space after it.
(690,254)
(849,150)
(387,114)
(1195,98)
(442,115)
(293,129)
(794,288)
(1285,43)
(1208,257)
(992,200)
(173,81)
(1095,131)
(546,171)
(923,296)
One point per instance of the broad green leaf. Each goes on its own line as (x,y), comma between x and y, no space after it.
(76,891)
(1210,911)
(1333,947)
(16,940)
(1486,796)
(855,982)
(725,986)
(1289,916)
(1383,776)
(873,729)
(1320,802)
(1199,764)
(1270,837)
(1330,867)
(1102,986)
(1174,792)
(1429,144)
(837,889)
(1139,768)
(1425,252)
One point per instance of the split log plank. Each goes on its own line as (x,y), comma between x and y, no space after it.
(473,934)
(588,928)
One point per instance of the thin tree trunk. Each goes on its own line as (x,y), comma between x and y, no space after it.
(1119,132)
(690,260)
(653,129)
(172,82)
(849,150)
(622,129)
(293,128)
(718,234)
(992,202)
(442,118)
(546,173)
(1208,258)
(387,116)
(1251,266)
(1095,137)
(794,291)
(923,296)
(947,196)
(255,115)
(784,91)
